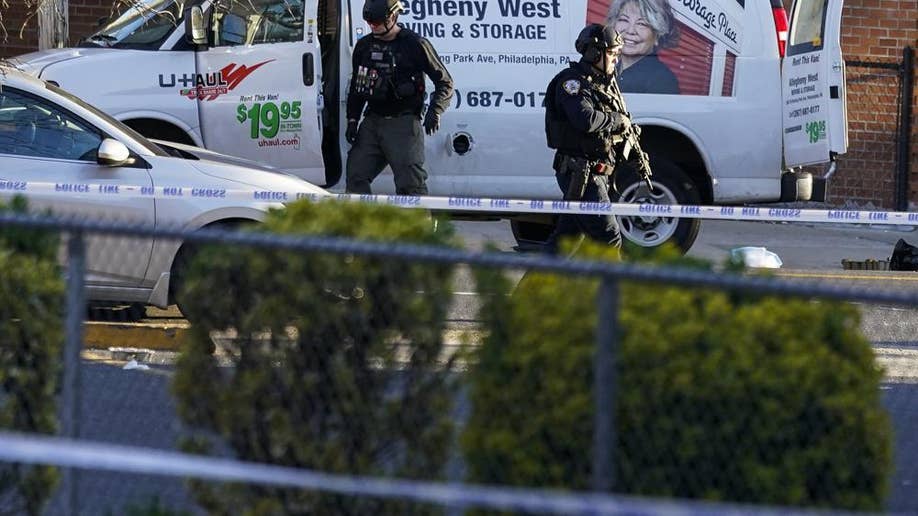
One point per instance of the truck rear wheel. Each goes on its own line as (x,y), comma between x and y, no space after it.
(671,186)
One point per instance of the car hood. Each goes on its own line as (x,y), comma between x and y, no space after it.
(34,63)
(240,170)
(192,152)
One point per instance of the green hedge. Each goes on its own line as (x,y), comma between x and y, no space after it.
(720,396)
(317,378)
(31,339)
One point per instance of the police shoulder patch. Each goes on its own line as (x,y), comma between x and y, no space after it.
(572,87)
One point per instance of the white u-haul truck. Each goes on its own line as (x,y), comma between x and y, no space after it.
(267,80)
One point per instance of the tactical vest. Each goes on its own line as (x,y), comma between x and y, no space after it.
(559,132)
(385,75)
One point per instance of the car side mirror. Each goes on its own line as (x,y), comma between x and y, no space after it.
(113,153)
(195,29)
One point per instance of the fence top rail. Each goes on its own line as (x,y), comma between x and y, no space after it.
(761,285)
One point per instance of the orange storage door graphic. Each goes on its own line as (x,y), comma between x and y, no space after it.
(597,10)
(729,70)
(691,60)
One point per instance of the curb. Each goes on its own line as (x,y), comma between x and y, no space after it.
(152,336)
(133,338)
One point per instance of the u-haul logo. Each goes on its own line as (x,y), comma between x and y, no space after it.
(209,86)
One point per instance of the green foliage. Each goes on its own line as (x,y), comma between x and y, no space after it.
(31,337)
(720,397)
(38,243)
(335,366)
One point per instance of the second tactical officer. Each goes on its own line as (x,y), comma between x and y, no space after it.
(388,79)
(581,123)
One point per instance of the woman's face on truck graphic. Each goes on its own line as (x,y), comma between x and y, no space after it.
(639,36)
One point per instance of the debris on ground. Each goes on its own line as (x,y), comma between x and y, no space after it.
(756,257)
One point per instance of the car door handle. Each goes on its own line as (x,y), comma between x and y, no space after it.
(309,72)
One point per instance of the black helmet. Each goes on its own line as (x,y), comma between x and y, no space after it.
(595,39)
(378,10)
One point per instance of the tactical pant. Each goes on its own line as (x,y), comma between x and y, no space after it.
(397,141)
(601,228)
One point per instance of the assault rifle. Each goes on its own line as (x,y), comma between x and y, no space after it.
(631,144)
(627,144)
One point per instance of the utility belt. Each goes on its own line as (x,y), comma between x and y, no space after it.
(579,170)
(567,163)
(408,112)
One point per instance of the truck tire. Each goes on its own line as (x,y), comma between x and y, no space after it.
(671,186)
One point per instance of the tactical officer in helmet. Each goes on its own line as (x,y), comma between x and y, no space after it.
(583,114)
(388,80)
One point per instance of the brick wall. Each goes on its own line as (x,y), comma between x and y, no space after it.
(18,39)
(874,31)
(83,17)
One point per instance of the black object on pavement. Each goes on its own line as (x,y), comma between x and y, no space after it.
(904,257)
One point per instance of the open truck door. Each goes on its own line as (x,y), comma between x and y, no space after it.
(813,82)
(258,84)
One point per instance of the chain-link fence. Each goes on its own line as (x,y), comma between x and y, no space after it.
(383,369)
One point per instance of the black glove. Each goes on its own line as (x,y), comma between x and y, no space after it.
(431,121)
(351,133)
(620,122)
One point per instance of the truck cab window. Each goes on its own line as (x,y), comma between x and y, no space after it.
(257,22)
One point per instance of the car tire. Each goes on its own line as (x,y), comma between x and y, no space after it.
(184,257)
(671,186)
(178,275)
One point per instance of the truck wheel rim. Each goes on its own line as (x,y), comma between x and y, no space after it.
(648,231)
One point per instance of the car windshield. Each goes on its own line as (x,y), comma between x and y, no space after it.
(144,25)
(139,138)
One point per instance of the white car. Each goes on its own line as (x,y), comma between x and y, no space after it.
(69,157)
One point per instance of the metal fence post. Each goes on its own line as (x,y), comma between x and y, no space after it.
(903,145)
(604,386)
(73,344)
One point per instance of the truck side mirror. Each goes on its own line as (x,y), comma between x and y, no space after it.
(195,30)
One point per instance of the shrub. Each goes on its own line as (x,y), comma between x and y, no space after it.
(335,364)
(31,333)
(30,242)
(721,397)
